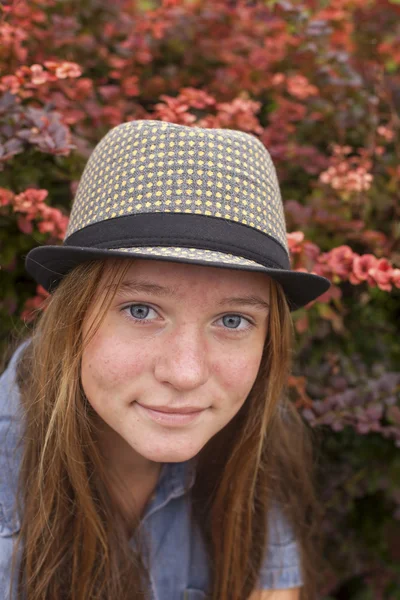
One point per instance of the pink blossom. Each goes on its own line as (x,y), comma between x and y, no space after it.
(46,227)
(322,269)
(131,86)
(381,273)
(396,277)
(278,78)
(83,88)
(361,266)
(311,250)
(343,177)
(300,87)
(68,69)
(174,110)
(31,205)
(197,98)
(295,240)
(6,197)
(241,113)
(347,173)
(12,83)
(39,75)
(54,222)
(339,150)
(24,225)
(30,202)
(385,132)
(112,115)
(341,261)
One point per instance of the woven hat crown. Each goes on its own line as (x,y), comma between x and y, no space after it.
(154,166)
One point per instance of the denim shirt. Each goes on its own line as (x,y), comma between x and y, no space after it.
(178,562)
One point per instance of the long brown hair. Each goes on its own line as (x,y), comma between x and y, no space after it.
(73,542)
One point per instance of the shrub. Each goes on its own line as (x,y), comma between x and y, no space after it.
(319,84)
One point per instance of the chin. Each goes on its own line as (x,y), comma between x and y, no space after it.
(172,455)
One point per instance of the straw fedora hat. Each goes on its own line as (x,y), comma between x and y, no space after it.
(163,191)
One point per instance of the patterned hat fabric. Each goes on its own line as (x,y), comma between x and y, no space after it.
(154,189)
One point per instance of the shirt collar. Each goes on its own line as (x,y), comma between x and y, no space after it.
(175,480)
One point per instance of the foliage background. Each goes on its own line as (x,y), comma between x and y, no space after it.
(319,83)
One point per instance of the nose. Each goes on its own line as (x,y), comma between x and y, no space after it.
(182,360)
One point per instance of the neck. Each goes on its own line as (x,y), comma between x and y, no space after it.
(131,477)
(119,456)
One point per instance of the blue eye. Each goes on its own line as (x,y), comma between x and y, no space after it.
(139,311)
(232,321)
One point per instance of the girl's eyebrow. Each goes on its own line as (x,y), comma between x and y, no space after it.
(254,301)
(137,286)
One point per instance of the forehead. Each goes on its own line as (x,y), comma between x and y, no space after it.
(188,279)
(179,278)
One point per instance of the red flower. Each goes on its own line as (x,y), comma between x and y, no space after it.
(196,98)
(6,197)
(382,274)
(300,87)
(396,277)
(30,202)
(311,250)
(24,225)
(361,266)
(39,75)
(68,69)
(239,113)
(322,269)
(54,222)
(130,85)
(295,240)
(340,260)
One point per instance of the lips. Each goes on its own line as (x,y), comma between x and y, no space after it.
(181,410)
(168,416)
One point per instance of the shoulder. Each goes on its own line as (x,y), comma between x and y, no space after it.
(9,392)
(282,564)
(6,555)
(10,451)
(280,532)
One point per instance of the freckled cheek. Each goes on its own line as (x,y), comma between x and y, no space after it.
(109,365)
(238,373)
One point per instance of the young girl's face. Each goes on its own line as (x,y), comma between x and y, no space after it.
(175,357)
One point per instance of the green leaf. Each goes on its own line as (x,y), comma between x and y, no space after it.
(392,65)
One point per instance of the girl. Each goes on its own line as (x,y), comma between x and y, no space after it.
(148,449)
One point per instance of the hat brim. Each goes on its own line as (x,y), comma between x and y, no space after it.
(49,264)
